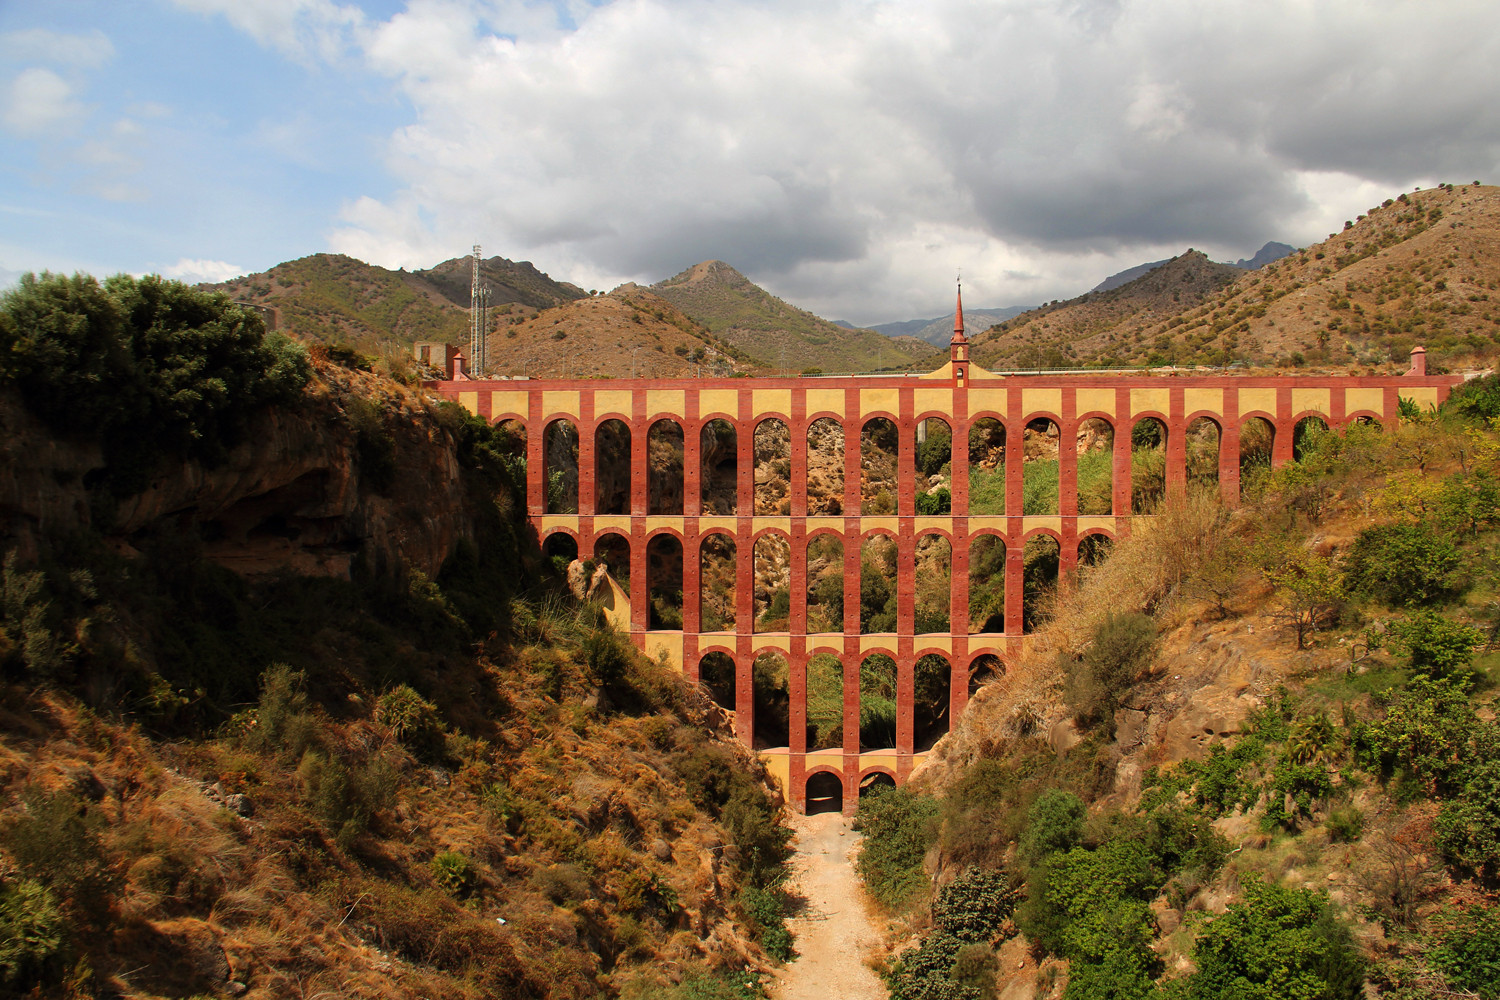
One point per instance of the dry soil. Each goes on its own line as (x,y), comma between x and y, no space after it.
(834,931)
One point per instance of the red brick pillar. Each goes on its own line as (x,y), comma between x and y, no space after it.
(639,433)
(852,469)
(798,430)
(587,463)
(640,582)
(1067,555)
(906,579)
(797,575)
(958,686)
(958,582)
(1015,455)
(1176,446)
(744,458)
(1123,427)
(692,457)
(1014,572)
(1286,427)
(851,578)
(536,457)
(797,724)
(906,698)
(851,731)
(1229,449)
(906,455)
(1067,455)
(744,691)
(958,461)
(692,572)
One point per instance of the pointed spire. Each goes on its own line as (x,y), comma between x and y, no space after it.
(958,316)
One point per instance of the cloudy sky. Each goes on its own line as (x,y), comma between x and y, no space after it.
(850,155)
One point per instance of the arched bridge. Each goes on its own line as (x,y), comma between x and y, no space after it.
(738,516)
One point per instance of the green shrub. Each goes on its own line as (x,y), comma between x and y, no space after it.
(754,825)
(1122,645)
(1399,564)
(1437,647)
(767,918)
(1345,826)
(1426,732)
(899,826)
(33,933)
(1468,827)
(974,905)
(1054,823)
(1274,943)
(1468,952)
(455,874)
(54,841)
(283,724)
(413,720)
(975,966)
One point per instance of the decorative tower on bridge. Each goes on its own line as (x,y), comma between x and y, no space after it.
(958,347)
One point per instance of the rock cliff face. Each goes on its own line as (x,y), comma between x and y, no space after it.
(300,492)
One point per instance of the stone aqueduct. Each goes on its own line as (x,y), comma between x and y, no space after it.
(959,394)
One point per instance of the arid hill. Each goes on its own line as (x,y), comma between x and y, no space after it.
(1062,334)
(1418,269)
(779,334)
(629,331)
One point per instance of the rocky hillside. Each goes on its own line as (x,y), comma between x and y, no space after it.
(780,335)
(1082,330)
(292,705)
(1253,733)
(630,331)
(1418,269)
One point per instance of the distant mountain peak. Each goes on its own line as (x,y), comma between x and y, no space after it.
(1267,254)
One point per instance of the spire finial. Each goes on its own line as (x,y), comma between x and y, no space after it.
(958,314)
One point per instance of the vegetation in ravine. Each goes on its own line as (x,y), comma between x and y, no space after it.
(1374,557)
(391,785)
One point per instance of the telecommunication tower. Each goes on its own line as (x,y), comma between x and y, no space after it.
(478,322)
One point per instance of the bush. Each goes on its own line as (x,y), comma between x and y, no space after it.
(283,724)
(1468,828)
(899,826)
(33,932)
(54,842)
(1427,732)
(1274,943)
(767,920)
(1468,953)
(974,905)
(1437,647)
(1054,823)
(413,720)
(454,873)
(1121,646)
(1345,825)
(1399,564)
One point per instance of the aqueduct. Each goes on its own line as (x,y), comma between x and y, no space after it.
(708,488)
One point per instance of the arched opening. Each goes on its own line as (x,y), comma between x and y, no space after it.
(773,468)
(987,467)
(983,669)
(879,444)
(664,586)
(718,466)
(772,700)
(877,584)
(612,468)
(825,793)
(664,458)
(825,702)
(825,467)
(1040,562)
(825,583)
(934,572)
(875,783)
(773,583)
(561,549)
(1308,436)
(716,672)
(932,682)
(1039,470)
(613,551)
(1202,439)
(1257,441)
(934,467)
(1148,464)
(717,575)
(511,439)
(877,703)
(1096,467)
(1093,549)
(987,584)
(560,456)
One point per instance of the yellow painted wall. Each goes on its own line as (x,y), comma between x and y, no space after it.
(613,401)
(719,401)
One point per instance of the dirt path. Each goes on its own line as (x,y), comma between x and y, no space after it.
(834,933)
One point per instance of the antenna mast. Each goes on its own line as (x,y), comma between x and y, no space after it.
(478,361)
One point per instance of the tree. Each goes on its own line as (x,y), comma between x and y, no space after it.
(1436,646)
(1307,590)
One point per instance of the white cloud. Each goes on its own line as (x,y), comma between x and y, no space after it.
(89,51)
(202,270)
(39,102)
(302,29)
(851,154)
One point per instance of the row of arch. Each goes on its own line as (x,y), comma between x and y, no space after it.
(845,585)
(1100,466)
(856,704)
